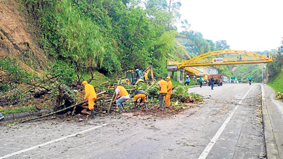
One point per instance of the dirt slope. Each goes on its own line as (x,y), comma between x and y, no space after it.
(18,38)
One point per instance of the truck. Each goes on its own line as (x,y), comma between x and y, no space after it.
(217,79)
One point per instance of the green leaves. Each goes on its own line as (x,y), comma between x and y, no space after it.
(106,35)
(14,72)
(62,72)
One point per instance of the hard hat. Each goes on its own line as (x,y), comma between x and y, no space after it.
(139,88)
(168,77)
(187,76)
(84,82)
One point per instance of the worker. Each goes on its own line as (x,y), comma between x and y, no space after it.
(211,82)
(250,80)
(200,82)
(162,92)
(169,92)
(90,96)
(140,94)
(187,82)
(124,95)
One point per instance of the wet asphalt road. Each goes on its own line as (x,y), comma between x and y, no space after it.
(227,125)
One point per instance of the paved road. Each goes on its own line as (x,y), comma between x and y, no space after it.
(227,125)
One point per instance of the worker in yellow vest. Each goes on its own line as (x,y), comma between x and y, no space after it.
(124,95)
(169,92)
(140,94)
(163,86)
(90,96)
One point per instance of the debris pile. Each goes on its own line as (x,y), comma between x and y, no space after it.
(67,101)
(279,95)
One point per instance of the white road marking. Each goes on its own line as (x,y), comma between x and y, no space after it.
(212,142)
(50,142)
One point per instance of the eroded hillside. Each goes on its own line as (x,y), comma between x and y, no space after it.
(18,38)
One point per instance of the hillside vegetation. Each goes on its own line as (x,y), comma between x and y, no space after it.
(277,82)
(19,39)
(104,35)
(249,70)
(275,70)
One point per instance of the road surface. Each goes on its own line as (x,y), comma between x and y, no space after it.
(228,124)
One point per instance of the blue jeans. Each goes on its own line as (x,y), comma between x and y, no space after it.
(212,84)
(121,100)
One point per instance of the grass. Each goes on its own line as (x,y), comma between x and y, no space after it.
(17,110)
(98,79)
(277,83)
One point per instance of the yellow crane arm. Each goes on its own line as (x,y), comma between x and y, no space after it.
(147,71)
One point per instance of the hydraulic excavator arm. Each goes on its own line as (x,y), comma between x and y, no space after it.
(147,71)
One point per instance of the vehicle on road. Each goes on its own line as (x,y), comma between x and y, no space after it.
(217,79)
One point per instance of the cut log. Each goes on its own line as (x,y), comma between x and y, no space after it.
(49,114)
(111,103)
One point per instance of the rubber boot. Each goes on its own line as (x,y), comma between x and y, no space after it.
(121,109)
(92,113)
(135,105)
(145,106)
(164,106)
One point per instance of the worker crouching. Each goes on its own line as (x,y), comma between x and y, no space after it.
(90,96)
(124,95)
(140,94)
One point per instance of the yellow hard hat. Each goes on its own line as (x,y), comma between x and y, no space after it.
(139,88)
(84,82)
(168,77)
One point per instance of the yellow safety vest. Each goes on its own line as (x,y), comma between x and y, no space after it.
(90,92)
(123,91)
(163,86)
(170,86)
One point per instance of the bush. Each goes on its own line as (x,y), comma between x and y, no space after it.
(64,73)
(4,88)
(14,72)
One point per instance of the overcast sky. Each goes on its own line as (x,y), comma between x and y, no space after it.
(251,25)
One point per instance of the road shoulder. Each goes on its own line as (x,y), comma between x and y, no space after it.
(272,118)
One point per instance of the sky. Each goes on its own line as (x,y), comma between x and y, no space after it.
(251,25)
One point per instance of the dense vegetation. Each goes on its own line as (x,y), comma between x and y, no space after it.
(113,36)
(105,35)
(275,70)
(243,72)
(195,43)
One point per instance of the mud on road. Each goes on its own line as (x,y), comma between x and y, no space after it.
(184,135)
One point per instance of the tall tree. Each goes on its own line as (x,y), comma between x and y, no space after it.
(222,45)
